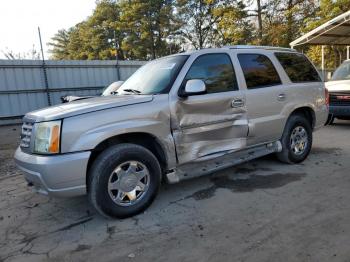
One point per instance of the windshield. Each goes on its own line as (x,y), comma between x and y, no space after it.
(155,77)
(342,72)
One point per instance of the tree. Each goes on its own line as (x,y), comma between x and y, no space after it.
(59,44)
(139,29)
(101,30)
(147,29)
(256,9)
(284,20)
(148,24)
(208,23)
(198,20)
(260,24)
(32,54)
(232,24)
(93,38)
(279,21)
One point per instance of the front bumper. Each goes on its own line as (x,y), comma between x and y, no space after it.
(59,175)
(339,111)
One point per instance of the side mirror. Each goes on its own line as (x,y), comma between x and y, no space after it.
(194,87)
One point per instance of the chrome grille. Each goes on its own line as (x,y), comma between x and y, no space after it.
(26,134)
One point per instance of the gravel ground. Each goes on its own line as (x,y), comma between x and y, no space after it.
(259,211)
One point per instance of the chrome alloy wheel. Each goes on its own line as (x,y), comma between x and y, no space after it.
(299,140)
(128,183)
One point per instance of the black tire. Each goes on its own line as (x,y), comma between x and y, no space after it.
(287,155)
(102,169)
(330,120)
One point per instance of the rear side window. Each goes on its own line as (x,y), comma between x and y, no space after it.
(216,71)
(258,71)
(298,67)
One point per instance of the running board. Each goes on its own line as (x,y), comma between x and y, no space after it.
(200,168)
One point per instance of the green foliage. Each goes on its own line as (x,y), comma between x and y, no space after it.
(208,23)
(198,20)
(59,44)
(90,39)
(284,20)
(232,24)
(147,29)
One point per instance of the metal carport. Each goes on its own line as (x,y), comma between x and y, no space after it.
(333,32)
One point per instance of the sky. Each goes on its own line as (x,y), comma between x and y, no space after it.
(19,21)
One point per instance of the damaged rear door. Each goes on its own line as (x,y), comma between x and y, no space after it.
(213,123)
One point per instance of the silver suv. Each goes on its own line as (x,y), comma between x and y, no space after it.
(177,117)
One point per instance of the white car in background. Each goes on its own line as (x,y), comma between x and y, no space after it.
(339,93)
(109,90)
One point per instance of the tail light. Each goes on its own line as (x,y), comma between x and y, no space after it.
(326,95)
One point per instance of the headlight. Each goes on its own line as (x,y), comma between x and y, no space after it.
(47,137)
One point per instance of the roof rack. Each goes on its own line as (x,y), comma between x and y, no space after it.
(259,47)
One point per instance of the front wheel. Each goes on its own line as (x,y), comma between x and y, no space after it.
(124,180)
(296,140)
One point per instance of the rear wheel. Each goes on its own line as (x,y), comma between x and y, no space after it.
(124,180)
(296,140)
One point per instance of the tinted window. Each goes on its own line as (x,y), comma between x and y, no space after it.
(216,71)
(298,67)
(258,71)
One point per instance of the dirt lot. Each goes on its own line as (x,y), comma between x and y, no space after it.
(259,211)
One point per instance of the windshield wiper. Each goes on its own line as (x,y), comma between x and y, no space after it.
(134,91)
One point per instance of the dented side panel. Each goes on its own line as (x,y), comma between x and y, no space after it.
(205,125)
(208,124)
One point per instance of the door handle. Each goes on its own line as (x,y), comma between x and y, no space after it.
(281,97)
(237,102)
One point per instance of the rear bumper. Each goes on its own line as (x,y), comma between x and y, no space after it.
(339,111)
(59,175)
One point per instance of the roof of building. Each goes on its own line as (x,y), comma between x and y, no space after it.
(333,32)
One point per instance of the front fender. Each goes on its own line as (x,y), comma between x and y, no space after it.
(85,132)
(91,138)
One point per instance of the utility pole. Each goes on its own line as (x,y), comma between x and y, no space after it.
(322,63)
(44,70)
(116,54)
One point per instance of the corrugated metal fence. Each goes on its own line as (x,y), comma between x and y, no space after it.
(23,87)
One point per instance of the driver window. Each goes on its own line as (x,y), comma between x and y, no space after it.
(216,71)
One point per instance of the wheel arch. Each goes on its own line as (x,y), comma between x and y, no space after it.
(306,111)
(146,140)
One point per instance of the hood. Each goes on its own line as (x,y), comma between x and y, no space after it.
(86,106)
(338,85)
